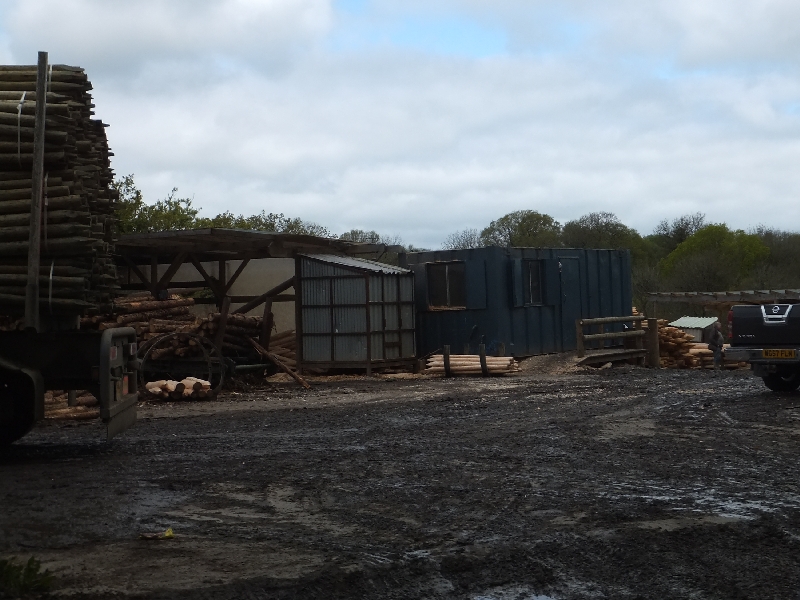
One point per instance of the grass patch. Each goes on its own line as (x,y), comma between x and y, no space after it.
(17,580)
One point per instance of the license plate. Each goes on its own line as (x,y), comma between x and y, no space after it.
(779,353)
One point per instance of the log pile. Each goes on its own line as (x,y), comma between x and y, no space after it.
(56,406)
(678,351)
(675,347)
(470,364)
(191,387)
(76,269)
(147,316)
(705,358)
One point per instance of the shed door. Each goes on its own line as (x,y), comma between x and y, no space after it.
(570,301)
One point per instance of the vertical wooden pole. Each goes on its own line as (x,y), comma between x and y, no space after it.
(482,354)
(446,357)
(579,336)
(154,276)
(653,358)
(223,323)
(35,230)
(637,325)
(266,325)
(72,398)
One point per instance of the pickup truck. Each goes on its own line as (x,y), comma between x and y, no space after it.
(768,337)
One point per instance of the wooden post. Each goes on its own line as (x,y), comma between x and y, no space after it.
(223,323)
(482,354)
(35,230)
(154,276)
(72,398)
(446,358)
(266,325)
(579,336)
(653,358)
(639,343)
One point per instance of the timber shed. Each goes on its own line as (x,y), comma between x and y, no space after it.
(517,301)
(353,313)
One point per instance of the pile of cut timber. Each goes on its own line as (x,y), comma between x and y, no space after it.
(76,269)
(470,364)
(147,316)
(56,406)
(191,387)
(675,347)
(705,358)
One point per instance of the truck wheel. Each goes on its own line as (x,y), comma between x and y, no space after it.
(782,383)
(17,406)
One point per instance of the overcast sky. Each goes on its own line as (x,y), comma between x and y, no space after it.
(420,118)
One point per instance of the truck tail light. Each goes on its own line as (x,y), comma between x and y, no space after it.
(730,324)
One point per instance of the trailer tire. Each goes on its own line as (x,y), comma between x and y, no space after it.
(779,382)
(17,405)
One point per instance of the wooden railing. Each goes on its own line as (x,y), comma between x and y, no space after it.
(639,352)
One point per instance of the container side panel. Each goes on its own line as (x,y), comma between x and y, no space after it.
(407,339)
(476,284)
(350,348)
(378,347)
(392,317)
(616,284)
(604,278)
(376,288)
(350,319)
(390,287)
(349,291)
(548,329)
(316,320)
(593,283)
(406,288)
(316,348)
(407,316)
(316,292)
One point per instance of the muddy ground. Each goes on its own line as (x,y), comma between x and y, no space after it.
(621,483)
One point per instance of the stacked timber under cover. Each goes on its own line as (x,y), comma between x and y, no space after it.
(76,270)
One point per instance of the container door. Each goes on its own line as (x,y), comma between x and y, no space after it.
(570,301)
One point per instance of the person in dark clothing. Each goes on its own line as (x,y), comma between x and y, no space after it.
(715,343)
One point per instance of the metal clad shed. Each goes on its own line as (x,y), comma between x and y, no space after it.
(353,313)
(699,327)
(518,301)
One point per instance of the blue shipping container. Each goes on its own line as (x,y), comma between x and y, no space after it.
(517,301)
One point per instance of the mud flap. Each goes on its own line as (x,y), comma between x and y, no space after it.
(21,400)
(118,376)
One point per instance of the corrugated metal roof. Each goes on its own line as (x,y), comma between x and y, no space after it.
(694,322)
(357,263)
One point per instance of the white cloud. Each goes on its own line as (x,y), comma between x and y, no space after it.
(243,106)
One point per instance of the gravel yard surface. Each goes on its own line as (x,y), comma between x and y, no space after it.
(619,483)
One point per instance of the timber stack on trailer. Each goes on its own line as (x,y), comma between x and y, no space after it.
(76,270)
(56,240)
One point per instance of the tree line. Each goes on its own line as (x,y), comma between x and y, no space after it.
(686,253)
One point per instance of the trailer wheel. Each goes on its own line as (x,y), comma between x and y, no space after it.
(17,405)
(779,382)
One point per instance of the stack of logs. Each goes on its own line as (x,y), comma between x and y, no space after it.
(147,316)
(76,269)
(470,364)
(56,406)
(152,319)
(678,351)
(191,387)
(675,347)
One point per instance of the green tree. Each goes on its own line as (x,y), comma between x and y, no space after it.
(523,228)
(462,240)
(599,230)
(174,213)
(714,258)
(668,234)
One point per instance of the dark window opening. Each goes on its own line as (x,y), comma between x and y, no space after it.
(532,281)
(447,285)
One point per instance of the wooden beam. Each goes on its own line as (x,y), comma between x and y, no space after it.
(278,363)
(263,297)
(266,324)
(138,272)
(212,283)
(163,283)
(235,276)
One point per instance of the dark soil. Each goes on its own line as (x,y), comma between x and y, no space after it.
(624,483)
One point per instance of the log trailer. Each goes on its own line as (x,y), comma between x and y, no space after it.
(51,352)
